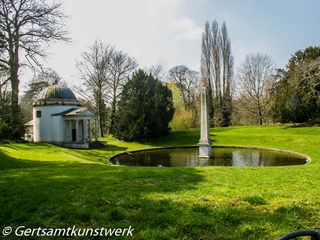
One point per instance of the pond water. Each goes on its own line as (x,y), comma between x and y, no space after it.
(221,156)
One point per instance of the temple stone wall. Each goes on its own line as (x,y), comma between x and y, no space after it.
(42,126)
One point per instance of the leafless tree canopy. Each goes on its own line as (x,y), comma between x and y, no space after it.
(121,68)
(93,69)
(26,27)
(104,71)
(187,81)
(42,80)
(94,72)
(255,82)
(157,72)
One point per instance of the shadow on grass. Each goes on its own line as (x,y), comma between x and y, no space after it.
(29,146)
(53,154)
(302,125)
(176,138)
(88,195)
(8,162)
(157,202)
(101,154)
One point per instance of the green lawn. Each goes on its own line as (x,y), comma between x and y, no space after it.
(42,185)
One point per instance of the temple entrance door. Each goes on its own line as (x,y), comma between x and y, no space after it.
(74,135)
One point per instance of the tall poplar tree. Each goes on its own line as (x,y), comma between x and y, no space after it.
(217,72)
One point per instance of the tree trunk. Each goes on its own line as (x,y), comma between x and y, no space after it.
(100,114)
(260,115)
(210,103)
(16,118)
(260,119)
(113,112)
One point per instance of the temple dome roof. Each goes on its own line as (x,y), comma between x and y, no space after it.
(56,95)
(57,92)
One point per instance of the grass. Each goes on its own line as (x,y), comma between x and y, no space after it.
(42,185)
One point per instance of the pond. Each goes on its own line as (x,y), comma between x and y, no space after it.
(221,156)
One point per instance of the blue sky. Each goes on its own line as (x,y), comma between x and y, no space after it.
(277,28)
(168,32)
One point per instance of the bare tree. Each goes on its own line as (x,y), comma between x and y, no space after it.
(26,26)
(187,81)
(191,87)
(94,71)
(255,81)
(205,68)
(47,77)
(104,71)
(216,59)
(178,75)
(217,71)
(120,69)
(42,80)
(157,72)
(227,75)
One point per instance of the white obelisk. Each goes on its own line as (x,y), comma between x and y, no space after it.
(204,143)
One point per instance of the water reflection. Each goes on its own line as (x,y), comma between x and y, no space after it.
(188,157)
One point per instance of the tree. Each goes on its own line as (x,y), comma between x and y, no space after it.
(157,71)
(255,83)
(187,81)
(205,68)
(46,78)
(183,119)
(42,80)
(94,71)
(104,71)
(2,51)
(120,69)
(26,27)
(217,72)
(144,110)
(296,94)
(227,75)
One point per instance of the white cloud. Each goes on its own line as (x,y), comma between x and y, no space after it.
(152,31)
(186,29)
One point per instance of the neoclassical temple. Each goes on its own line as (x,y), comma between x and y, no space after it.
(59,118)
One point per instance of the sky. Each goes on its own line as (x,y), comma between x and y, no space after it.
(168,32)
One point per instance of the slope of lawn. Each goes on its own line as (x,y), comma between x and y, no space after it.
(42,185)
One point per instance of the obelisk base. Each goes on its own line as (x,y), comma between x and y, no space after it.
(204,150)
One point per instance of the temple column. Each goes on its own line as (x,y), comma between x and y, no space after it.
(65,130)
(77,130)
(85,130)
(96,129)
(70,131)
(90,131)
(69,127)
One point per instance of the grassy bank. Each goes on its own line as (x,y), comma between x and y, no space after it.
(47,186)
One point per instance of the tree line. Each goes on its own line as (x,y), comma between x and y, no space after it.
(26,29)
(257,94)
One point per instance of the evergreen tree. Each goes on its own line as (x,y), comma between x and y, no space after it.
(145,108)
(296,95)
